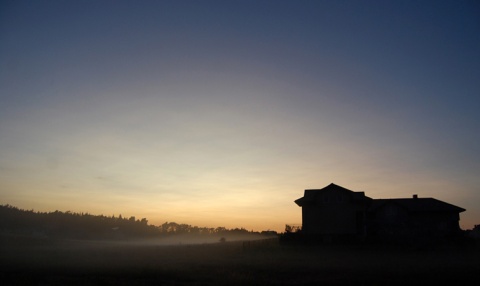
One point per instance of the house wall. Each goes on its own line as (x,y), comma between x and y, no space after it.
(333,214)
(390,219)
(393,220)
(329,220)
(436,222)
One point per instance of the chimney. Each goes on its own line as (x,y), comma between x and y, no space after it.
(415,196)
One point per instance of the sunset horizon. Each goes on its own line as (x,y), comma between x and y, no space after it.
(221,113)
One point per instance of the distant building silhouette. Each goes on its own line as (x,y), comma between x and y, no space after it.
(335,212)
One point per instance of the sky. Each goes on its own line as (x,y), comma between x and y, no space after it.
(221,113)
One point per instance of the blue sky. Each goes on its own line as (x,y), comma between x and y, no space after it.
(220,113)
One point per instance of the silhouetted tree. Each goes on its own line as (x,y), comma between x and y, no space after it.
(87,226)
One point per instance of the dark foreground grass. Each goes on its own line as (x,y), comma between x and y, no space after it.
(45,262)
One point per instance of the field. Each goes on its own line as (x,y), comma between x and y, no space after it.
(26,261)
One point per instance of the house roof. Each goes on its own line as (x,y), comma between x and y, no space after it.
(311,194)
(417,205)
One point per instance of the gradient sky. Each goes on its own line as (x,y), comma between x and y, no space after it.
(220,113)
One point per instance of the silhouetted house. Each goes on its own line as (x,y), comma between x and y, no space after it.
(336,212)
(413,218)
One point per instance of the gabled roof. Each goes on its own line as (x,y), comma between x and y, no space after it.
(417,205)
(311,194)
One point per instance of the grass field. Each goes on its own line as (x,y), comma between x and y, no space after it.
(45,262)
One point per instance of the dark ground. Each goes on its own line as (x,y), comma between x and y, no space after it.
(27,261)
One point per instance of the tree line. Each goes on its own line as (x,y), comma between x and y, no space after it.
(68,224)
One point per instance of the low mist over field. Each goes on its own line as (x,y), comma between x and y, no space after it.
(185,239)
(259,262)
(80,249)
